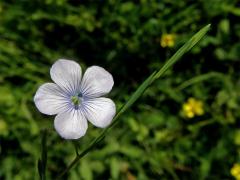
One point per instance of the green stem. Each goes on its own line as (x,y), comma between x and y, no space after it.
(83,153)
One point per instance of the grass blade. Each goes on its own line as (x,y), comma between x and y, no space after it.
(197,79)
(42,163)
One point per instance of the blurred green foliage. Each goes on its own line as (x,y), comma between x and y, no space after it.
(154,139)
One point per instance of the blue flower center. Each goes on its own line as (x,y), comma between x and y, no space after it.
(77,99)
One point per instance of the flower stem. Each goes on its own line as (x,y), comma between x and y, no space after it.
(83,153)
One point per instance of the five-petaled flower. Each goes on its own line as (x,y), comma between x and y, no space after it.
(192,108)
(167,40)
(75,99)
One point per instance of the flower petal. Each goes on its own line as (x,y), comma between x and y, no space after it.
(96,82)
(99,111)
(71,124)
(50,99)
(67,74)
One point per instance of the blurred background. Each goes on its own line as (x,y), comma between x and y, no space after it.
(185,126)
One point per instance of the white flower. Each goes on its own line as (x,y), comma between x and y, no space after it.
(75,99)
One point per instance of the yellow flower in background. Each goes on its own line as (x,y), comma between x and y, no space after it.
(167,40)
(193,108)
(235,171)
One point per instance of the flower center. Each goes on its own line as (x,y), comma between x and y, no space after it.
(77,99)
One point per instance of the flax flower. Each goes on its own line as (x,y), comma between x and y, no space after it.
(75,99)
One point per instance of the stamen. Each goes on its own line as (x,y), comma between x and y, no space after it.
(75,100)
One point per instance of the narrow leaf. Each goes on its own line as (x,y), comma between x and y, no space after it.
(44,149)
(42,163)
(197,79)
(40,168)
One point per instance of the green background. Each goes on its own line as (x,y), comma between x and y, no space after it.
(153,140)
